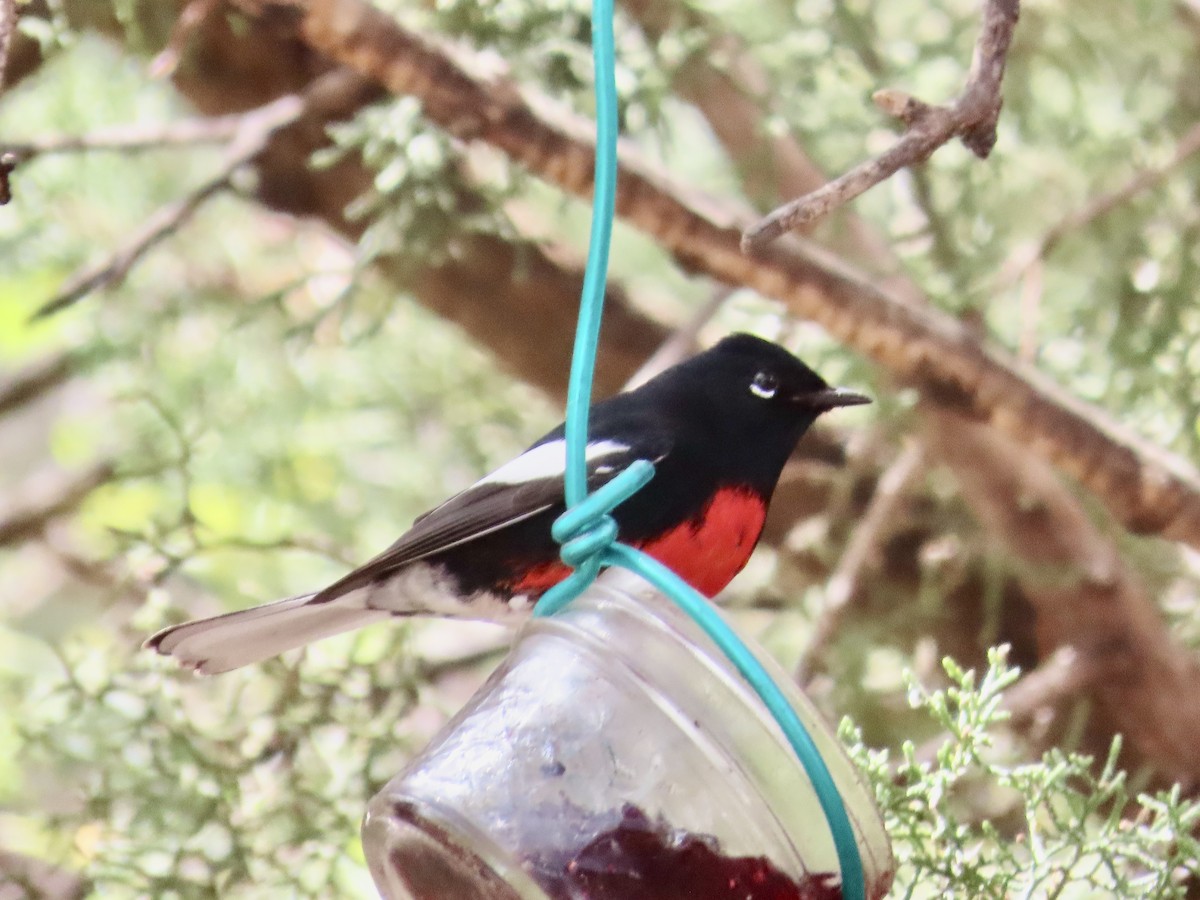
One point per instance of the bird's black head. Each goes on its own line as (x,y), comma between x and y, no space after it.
(781,383)
(751,382)
(754,398)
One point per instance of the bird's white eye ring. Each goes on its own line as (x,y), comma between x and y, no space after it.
(764,385)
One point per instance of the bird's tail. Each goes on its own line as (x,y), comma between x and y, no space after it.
(236,639)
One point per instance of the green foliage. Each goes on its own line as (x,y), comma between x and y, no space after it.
(422,198)
(276,409)
(252,786)
(274,412)
(247,787)
(977,821)
(51,31)
(549,44)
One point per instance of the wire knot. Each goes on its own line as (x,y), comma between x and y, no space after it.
(587,531)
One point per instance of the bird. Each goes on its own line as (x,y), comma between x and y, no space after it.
(718,427)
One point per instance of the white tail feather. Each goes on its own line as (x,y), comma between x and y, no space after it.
(236,639)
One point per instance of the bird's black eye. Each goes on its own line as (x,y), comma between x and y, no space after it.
(764,385)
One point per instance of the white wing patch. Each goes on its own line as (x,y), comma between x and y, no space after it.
(548,461)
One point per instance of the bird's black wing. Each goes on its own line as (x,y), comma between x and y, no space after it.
(530,484)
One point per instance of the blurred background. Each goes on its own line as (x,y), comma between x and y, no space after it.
(261,306)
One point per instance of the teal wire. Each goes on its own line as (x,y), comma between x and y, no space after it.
(591,306)
(587,532)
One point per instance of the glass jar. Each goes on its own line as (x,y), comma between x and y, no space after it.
(617,755)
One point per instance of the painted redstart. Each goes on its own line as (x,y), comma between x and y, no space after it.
(718,427)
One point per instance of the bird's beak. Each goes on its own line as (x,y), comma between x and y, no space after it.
(832,398)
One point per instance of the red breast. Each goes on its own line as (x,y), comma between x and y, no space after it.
(706,551)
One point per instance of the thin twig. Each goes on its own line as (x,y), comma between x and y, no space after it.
(1144,180)
(130,138)
(864,542)
(682,340)
(1063,674)
(190,19)
(31,877)
(49,498)
(1098,207)
(8,164)
(8,27)
(1029,313)
(163,223)
(255,130)
(434,669)
(730,87)
(34,380)
(972,117)
(97,572)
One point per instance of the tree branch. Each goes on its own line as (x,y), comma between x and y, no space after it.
(732,101)
(972,117)
(1147,489)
